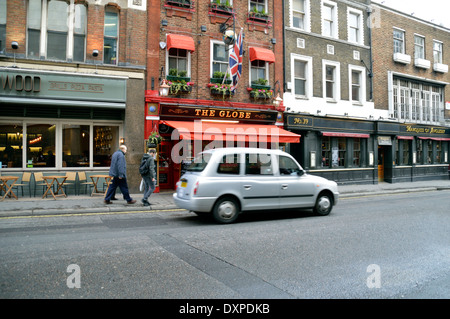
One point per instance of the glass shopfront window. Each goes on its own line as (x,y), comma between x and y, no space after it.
(75,145)
(41,145)
(11,145)
(106,141)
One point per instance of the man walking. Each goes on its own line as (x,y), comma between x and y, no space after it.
(148,174)
(118,171)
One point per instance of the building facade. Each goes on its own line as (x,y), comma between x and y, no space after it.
(189,48)
(411,87)
(341,83)
(72,84)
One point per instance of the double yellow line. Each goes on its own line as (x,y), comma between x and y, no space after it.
(91,214)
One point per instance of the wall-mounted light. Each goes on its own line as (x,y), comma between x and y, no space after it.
(122,140)
(164,88)
(277,101)
(15,45)
(95,53)
(203,28)
(164,23)
(273,41)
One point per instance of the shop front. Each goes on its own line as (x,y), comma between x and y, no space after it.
(53,121)
(358,151)
(188,127)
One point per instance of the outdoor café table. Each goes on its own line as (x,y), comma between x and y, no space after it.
(95,179)
(8,187)
(50,180)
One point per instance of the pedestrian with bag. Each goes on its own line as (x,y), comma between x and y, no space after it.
(148,173)
(118,171)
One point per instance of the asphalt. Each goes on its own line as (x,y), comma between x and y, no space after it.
(77,204)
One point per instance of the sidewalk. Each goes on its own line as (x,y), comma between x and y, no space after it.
(36,206)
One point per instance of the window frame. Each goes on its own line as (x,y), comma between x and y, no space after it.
(306,15)
(399,43)
(419,48)
(212,61)
(308,75)
(334,27)
(42,36)
(112,9)
(265,68)
(439,52)
(362,86)
(360,28)
(188,61)
(336,82)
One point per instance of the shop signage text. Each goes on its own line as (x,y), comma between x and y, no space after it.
(427,130)
(186,112)
(20,83)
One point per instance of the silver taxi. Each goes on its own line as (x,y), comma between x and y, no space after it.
(228,181)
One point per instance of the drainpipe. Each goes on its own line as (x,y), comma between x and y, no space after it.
(369,11)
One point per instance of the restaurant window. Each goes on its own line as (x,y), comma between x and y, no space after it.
(65,24)
(75,141)
(326,151)
(2,26)
(11,145)
(106,139)
(41,145)
(111,36)
(356,152)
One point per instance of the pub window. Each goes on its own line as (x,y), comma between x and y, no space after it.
(326,151)
(429,151)
(75,145)
(405,152)
(258,164)
(11,145)
(419,151)
(258,72)
(356,152)
(111,36)
(229,164)
(178,62)
(258,6)
(41,145)
(439,158)
(219,58)
(342,149)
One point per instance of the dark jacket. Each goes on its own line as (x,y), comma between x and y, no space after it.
(118,165)
(151,165)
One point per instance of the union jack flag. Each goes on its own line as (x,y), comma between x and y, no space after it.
(235,61)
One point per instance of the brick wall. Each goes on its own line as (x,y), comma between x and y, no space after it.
(383,50)
(200,59)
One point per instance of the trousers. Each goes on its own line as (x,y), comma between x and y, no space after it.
(122,184)
(149,187)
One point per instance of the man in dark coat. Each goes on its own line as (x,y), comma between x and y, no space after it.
(150,177)
(118,171)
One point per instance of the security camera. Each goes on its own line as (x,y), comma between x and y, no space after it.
(15,45)
(95,53)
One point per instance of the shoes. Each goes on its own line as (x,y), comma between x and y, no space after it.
(113,198)
(107,202)
(131,201)
(146,203)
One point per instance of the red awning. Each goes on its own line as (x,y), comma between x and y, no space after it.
(435,138)
(261,54)
(340,134)
(399,137)
(180,42)
(209,131)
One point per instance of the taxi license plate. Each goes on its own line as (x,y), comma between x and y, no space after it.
(183,184)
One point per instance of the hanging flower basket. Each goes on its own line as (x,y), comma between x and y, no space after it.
(154,139)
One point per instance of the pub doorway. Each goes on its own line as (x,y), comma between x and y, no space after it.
(381,162)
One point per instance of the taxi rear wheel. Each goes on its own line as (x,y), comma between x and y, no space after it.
(226,210)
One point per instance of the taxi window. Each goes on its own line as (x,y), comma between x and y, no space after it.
(229,164)
(258,164)
(199,162)
(287,166)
